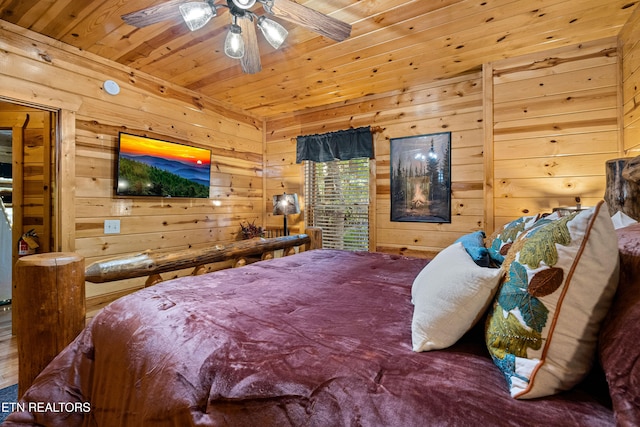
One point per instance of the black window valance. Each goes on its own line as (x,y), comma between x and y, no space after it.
(340,145)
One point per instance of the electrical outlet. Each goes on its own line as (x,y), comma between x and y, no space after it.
(111,226)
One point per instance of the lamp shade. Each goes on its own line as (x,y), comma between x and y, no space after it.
(196,14)
(233,44)
(272,31)
(286,204)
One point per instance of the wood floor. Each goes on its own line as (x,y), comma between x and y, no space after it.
(8,349)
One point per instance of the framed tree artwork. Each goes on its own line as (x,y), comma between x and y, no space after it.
(421,178)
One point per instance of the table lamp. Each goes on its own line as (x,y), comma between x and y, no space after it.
(286,204)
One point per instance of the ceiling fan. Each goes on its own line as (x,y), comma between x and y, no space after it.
(241,41)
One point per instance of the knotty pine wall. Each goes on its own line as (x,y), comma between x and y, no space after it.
(39,71)
(454,105)
(629,45)
(555,124)
(552,124)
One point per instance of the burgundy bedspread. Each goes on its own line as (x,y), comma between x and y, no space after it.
(322,338)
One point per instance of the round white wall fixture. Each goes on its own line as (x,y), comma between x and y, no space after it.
(111,87)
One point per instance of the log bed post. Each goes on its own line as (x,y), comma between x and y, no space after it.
(315,234)
(49,309)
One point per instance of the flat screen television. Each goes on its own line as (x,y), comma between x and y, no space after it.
(153,167)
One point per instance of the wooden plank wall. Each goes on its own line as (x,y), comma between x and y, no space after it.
(555,126)
(40,71)
(453,105)
(629,42)
(157,223)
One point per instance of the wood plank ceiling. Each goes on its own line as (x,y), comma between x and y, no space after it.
(394,45)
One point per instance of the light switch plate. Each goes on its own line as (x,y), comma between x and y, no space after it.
(111,226)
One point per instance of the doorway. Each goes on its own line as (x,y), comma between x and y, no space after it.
(6,216)
(27,180)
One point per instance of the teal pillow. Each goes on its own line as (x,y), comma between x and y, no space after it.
(473,243)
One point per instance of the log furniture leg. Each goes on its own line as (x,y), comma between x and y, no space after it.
(49,309)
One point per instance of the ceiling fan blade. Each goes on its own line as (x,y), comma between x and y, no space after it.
(311,19)
(154,14)
(251,60)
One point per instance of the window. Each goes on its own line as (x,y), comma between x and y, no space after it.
(337,200)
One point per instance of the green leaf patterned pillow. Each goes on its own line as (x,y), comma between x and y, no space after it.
(501,240)
(560,277)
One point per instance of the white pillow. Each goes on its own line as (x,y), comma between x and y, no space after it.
(449,295)
(621,220)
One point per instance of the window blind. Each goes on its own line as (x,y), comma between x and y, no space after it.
(337,200)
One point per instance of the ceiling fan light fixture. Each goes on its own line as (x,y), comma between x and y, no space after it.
(241,41)
(233,44)
(272,31)
(244,4)
(196,14)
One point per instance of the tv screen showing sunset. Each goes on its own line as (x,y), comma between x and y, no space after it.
(152,167)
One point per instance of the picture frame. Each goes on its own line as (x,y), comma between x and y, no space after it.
(420,170)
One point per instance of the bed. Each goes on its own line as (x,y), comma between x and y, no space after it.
(320,338)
